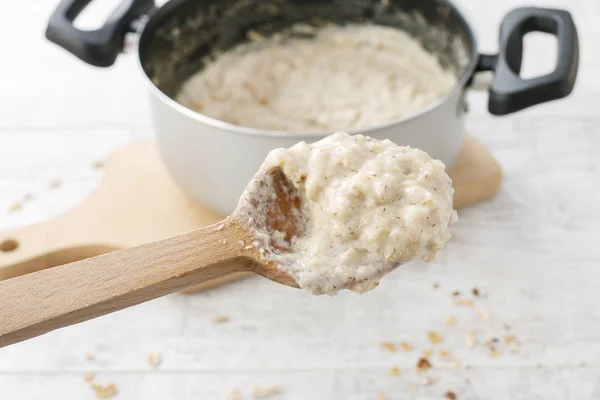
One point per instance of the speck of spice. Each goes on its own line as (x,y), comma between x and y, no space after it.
(423,365)
(221,319)
(435,337)
(406,346)
(476,292)
(391,347)
(154,359)
(98,165)
(265,391)
(450,395)
(450,320)
(456,293)
(436,285)
(394,371)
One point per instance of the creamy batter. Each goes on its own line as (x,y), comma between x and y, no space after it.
(369,206)
(345,77)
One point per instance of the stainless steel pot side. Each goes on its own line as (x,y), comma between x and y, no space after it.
(213,160)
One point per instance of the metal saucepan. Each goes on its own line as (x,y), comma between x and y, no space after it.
(213,160)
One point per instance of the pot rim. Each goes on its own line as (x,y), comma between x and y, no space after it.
(226,126)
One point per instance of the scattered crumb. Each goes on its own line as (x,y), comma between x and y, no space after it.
(391,347)
(476,292)
(155,80)
(456,293)
(436,285)
(463,302)
(98,165)
(412,388)
(423,365)
(233,394)
(90,357)
(154,359)
(265,391)
(89,376)
(430,380)
(509,339)
(427,353)
(55,183)
(450,395)
(104,391)
(470,339)
(381,396)
(394,371)
(446,354)
(491,341)
(17,206)
(221,319)
(483,315)
(405,346)
(435,337)
(450,320)
(494,353)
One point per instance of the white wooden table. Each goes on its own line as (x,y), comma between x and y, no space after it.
(534,249)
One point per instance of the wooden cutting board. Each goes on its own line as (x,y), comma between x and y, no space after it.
(137,202)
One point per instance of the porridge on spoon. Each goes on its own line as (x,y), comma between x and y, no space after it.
(357,208)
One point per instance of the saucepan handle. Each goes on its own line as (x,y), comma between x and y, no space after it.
(509,92)
(98,47)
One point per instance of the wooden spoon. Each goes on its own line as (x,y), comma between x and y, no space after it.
(37,303)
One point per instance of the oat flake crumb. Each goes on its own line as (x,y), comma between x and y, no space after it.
(427,353)
(494,353)
(463,302)
(423,365)
(265,391)
(470,339)
(89,376)
(450,320)
(17,206)
(412,388)
(483,315)
(406,346)
(508,339)
(104,391)
(391,347)
(154,359)
(446,354)
(450,395)
(395,371)
(233,394)
(90,357)
(221,319)
(435,337)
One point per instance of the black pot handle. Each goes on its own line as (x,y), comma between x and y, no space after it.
(98,47)
(510,93)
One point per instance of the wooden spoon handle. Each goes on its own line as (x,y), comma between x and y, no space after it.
(40,302)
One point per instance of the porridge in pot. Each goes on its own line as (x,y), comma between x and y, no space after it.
(340,78)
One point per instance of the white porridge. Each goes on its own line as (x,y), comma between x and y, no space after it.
(344,78)
(369,207)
